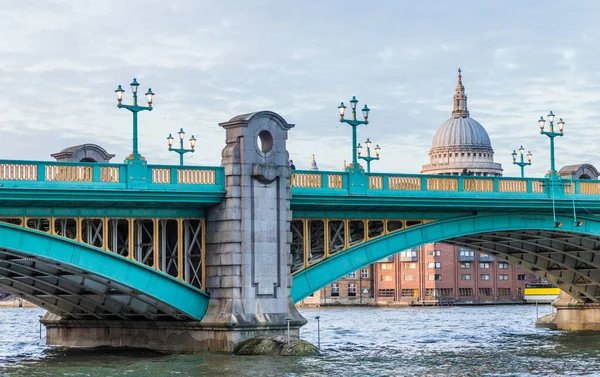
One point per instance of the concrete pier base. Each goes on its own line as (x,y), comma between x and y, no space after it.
(572,315)
(165,336)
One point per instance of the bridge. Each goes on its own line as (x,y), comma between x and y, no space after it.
(199,258)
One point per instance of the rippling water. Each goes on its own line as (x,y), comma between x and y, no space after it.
(457,341)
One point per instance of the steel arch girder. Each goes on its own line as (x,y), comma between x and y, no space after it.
(187,301)
(331,269)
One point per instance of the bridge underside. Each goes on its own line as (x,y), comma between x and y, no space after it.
(77,294)
(569,260)
(568,257)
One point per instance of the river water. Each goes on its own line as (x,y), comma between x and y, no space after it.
(456,341)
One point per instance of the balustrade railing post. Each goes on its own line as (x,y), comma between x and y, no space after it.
(41,172)
(385,183)
(324,180)
(496,184)
(577,187)
(461,184)
(96,176)
(424,183)
(529,184)
(174,175)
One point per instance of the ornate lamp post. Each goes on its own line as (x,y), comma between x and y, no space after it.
(354,123)
(181,150)
(522,164)
(368,157)
(134,108)
(551,134)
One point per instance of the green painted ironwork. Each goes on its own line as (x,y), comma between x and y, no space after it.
(551,134)
(354,123)
(181,150)
(137,277)
(333,268)
(135,109)
(521,163)
(368,158)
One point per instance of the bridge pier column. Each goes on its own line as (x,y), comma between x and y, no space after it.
(572,315)
(248,235)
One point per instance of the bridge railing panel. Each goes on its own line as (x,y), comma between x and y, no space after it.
(512,185)
(161,175)
(188,175)
(110,174)
(307,180)
(375,182)
(478,185)
(442,184)
(69,173)
(589,187)
(18,172)
(319,180)
(537,186)
(404,183)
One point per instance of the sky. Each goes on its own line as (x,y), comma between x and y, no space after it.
(208,61)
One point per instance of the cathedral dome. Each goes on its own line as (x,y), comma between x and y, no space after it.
(461,145)
(461,132)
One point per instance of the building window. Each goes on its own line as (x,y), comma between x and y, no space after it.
(485,291)
(409,255)
(433,253)
(504,292)
(434,265)
(466,253)
(484,265)
(351,275)
(335,290)
(444,292)
(410,265)
(387,266)
(435,277)
(410,292)
(503,277)
(364,273)
(386,293)
(386,278)
(485,277)
(352,289)
(465,277)
(465,264)
(429,292)
(409,277)
(503,265)
(521,277)
(465,292)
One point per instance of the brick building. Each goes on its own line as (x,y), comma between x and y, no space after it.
(429,275)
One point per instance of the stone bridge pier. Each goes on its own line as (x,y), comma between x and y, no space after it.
(246,256)
(248,235)
(572,315)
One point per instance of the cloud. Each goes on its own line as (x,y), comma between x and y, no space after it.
(60,62)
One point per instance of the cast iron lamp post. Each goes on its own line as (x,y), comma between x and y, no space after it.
(368,157)
(522,164)
(551,134)
(181,150)
(354,123)
(134,108)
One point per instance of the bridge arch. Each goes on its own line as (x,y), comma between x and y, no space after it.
(568,256)
(79,281)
